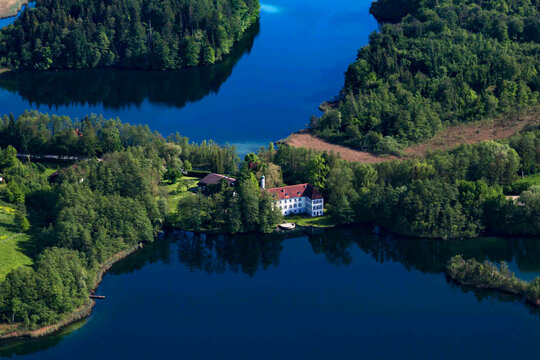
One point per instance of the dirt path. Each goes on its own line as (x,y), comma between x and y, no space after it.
(9,8)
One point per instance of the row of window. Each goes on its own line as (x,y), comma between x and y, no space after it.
(318,207)
(290,206)
(291,200)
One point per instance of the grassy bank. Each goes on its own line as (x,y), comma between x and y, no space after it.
(308,221)
(12,243)
(8,331)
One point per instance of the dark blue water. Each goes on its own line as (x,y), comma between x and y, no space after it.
(339,294)
(268,90)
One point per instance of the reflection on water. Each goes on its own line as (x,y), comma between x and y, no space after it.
(26,346)
(117,89)
(255,255)
(251,253)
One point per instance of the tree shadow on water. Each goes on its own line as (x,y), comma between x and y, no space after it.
(115,89)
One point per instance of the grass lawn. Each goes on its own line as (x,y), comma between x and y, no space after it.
(305,220)
(533,178)
(48,171)
(11,243)
(180,189)
(522,184)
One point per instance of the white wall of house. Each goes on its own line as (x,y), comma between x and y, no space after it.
(301,205)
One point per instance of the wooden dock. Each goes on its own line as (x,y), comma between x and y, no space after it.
(101,297)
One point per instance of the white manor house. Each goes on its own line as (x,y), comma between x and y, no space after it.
(297,199)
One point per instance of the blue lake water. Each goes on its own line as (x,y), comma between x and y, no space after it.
(337,294)
(291,62)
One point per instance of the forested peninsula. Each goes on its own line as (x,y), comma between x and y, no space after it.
(70,220)
(135,34)
(432,65)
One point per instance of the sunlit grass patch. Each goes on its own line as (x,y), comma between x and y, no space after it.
(11,243)
(185,186)
(318,221)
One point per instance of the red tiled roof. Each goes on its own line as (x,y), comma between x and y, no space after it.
(295,191)
(215,179)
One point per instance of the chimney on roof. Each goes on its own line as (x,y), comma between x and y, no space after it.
(263,182)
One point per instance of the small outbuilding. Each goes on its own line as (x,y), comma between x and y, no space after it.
(214,179)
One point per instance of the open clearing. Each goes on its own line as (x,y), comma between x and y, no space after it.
(307,140)
(493,129)
(9,8)
(11,243)
(182,188)
(453,136)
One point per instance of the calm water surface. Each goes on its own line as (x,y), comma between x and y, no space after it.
(339,294)
(276,78)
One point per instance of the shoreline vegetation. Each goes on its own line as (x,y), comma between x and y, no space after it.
(10,8)
(88,213)
(10,331)
(489,276)
(121,200)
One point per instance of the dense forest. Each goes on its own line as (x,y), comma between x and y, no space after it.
(434,64)
(97,209)
(148,34)
(35,133)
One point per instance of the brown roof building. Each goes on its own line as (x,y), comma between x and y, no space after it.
(214,179)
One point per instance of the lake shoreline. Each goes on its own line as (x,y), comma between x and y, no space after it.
(527,299)
(487,276)
(14,13)
(79,313)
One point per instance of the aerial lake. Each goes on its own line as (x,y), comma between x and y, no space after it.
(341,293)
(270,85)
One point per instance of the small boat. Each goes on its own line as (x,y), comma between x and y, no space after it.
(287,226)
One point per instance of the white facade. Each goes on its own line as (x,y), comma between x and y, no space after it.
(300,205)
